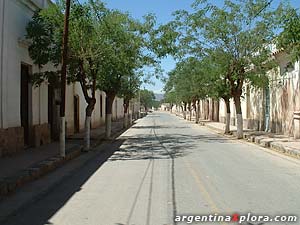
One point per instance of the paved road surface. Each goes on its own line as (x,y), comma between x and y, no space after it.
(166,166)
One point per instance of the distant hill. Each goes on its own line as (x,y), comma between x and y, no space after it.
(158,97)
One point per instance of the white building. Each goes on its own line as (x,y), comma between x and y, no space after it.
(76,104)
(23,109)
(28,115)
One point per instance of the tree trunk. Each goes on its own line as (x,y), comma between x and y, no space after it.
(207,109)
(109,102)
(184,111)
(212,109)
(190,109)
(125,122)
(198,112)
(130,119)
(195,109)
(216,111)
(239,117)
(203,109)
(88,112)
(62,137)
(227,121)
(181,107)
(126,105)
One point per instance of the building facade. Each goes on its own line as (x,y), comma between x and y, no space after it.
(29,115)
(276,107)
(23,112)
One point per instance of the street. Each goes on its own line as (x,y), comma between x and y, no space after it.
(165,166)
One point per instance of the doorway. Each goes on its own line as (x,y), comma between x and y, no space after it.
(101,106)
(24,104)
(53,113)
(76,114)
(267,109)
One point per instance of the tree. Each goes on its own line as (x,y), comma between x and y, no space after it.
(170,97)
(129,90)
(63,79)
(147,98)
(189,82)
(87,48)
(45,31)
(216,65)
(289,39)
(106,49)
(128,52)
(243,30)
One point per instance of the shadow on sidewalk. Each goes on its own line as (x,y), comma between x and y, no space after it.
(39,212)
(11,167)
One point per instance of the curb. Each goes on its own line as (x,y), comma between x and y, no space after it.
(272,143)
(37,171)
(261,140)
(285,150)
(9,185)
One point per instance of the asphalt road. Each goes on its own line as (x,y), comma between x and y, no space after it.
(163,167)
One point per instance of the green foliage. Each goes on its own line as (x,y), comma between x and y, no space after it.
(222,47)
(156,104)
(123,51)
(45,32)
(108,49)
(192,80)
(289,39)
(243,31)
(147,98)
(130,86)
(171,97)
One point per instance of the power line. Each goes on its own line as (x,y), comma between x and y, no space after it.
(263,8)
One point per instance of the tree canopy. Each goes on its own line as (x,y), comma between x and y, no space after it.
(289,39)
(107,49)
(232,41)
(147,98)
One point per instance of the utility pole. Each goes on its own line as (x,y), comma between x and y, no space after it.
(62,137)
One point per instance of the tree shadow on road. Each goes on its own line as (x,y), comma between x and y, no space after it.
(41,209)
(160,127)
(164,146)
(138,147)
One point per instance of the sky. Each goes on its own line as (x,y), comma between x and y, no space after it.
(163,10)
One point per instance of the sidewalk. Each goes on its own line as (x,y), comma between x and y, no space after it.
(98,133)
(277,142)
(33,163)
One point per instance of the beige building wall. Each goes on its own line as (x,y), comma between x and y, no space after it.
(284,95)
(98,118)
(118,108)
(14,17)
(222,111)
(284,100)
(134,108)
